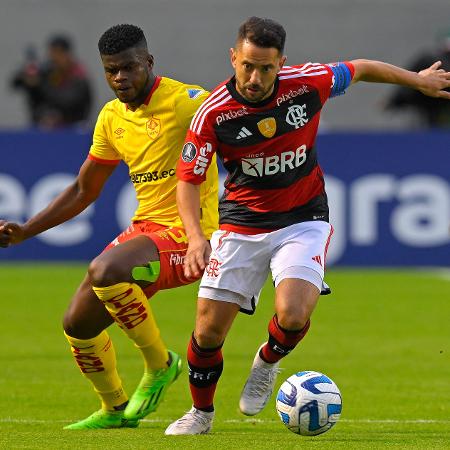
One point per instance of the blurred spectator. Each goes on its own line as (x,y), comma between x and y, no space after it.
(432,112)
(58,91)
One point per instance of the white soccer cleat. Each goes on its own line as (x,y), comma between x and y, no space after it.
(194,421)
(259,386)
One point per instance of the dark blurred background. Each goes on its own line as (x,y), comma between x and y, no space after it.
(190,41)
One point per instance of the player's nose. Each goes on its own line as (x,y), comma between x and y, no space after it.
(255,78)
(120,76)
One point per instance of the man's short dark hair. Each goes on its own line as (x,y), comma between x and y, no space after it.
(121,37)
(264,33)
(60,41)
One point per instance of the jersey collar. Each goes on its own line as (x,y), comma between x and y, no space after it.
(152,90)
(231,86)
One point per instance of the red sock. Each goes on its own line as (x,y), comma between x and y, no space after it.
(205,368)
(281,342)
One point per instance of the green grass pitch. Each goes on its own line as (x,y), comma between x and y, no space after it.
(382,336)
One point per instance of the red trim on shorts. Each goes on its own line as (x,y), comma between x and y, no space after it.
(224,235)
(327,244)
(108,162)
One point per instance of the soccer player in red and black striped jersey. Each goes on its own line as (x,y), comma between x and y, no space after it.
(273,215)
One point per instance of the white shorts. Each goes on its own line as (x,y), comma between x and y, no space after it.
(239,264)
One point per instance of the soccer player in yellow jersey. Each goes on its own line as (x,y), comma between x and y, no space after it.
(145,127)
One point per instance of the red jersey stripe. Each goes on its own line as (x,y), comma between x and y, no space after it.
(243,229)
(280,200)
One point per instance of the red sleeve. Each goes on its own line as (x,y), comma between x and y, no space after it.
(351,67)
(197,154)
(330,79)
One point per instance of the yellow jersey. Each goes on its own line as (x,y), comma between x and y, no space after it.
(149,140)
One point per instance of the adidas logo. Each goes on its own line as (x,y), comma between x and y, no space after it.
(317,259)
(244,133)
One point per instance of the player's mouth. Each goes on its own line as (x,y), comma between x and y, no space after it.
(253,89)
(253,93)
(124,93)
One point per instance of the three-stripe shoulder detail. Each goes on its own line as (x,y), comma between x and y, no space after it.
(305,70)
(216,99)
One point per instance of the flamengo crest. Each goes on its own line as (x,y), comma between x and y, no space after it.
(296,116)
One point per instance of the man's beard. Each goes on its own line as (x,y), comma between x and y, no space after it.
(258,95)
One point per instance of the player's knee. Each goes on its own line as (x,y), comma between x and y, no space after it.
(105,272)
(209,337)
(293,320)
(77,327)
(72,326)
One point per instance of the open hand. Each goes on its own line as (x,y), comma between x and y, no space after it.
(436,80)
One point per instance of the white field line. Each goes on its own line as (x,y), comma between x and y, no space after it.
(161,421)
(443,273)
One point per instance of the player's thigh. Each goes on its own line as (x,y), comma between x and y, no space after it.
(237,269)
(115,264)
(295,300)
(86,316)
(303,244)
(300,252)
(214,319)
(171,244)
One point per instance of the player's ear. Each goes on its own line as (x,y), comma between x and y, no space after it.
(282,61)
(233,57)
(150,61)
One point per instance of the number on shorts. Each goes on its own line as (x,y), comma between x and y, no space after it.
(181,238)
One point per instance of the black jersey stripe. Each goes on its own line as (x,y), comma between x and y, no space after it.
(281,179)
(231,212)
(287,117)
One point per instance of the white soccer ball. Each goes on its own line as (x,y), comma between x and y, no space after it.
(309,403)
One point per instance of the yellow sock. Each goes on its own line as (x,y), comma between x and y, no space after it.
(129,306)
(96,359)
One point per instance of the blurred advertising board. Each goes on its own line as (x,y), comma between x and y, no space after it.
(389,196)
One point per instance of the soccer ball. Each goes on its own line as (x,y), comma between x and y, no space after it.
(309,403)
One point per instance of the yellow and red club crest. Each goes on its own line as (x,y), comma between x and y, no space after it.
(153,127)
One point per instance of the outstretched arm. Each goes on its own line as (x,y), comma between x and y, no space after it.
(71,202)
(188,203)
(431,81)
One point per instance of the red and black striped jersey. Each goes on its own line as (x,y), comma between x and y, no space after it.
(267,148)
